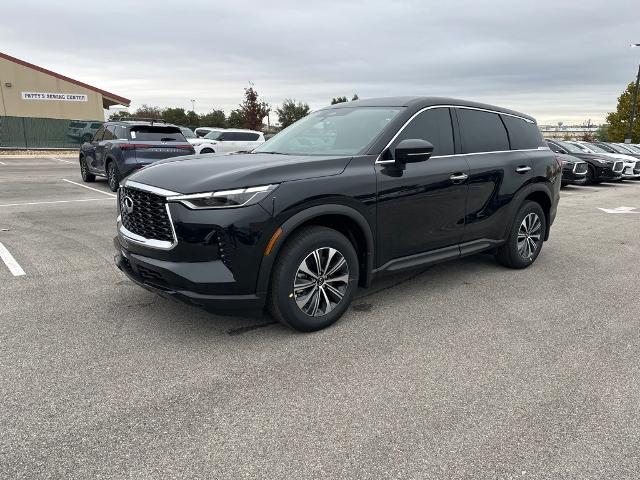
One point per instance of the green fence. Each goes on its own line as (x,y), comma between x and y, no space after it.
(33,133)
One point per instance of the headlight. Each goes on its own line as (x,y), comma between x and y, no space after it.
(225,198)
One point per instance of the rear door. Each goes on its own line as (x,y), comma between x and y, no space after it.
(104,145)
(249,141)
(229,142)
(496,172)
(157,142)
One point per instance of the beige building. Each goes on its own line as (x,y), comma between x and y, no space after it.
(27,90)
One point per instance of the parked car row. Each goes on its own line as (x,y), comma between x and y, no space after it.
(588,163)
(119,147)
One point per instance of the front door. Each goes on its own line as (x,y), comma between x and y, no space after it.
(421,206)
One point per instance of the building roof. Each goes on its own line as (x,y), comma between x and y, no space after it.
(108,97)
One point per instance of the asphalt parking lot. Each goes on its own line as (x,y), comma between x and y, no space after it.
(463,370)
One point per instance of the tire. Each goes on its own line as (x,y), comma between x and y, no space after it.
(591,176)
(113,176)
(530,222)
(207,150)
(84,172)
(314,305)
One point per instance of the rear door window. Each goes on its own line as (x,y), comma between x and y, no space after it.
(481,131)
(98,135)
(522,134)
(433,125)
(152,133)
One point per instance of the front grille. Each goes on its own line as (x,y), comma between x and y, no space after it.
(580,168)
(149,217)
(617,167)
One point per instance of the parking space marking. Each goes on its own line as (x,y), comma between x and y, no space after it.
(90,188)
(2,163)
(61,160)
(619,210)
(56,201)
(11,263)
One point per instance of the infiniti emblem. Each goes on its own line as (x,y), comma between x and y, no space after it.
(127,205)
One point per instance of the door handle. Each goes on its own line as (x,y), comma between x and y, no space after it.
(458,177)
(523,169)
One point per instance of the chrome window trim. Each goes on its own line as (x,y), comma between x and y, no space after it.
(431,107)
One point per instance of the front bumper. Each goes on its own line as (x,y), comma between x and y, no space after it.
(176,281)
(571,178)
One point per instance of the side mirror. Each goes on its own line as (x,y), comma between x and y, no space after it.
(413,150)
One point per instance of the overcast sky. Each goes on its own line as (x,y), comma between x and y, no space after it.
(558,60)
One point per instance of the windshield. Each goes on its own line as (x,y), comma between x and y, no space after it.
(616,148)
(570,147)
(633,148)
(187,132)
(624,149)
(213,135)
(338,131)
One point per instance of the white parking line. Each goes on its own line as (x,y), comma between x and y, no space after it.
(61,160)
(56,201)
(13,266)
(2,163)
(90,188)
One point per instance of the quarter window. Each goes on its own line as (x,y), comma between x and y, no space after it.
(109,133)
(482,131)
(522,135)
(98,136)
(432,125)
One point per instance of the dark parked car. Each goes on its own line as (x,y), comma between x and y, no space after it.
(574,170)
(336,199)
(120,147)
(600,168)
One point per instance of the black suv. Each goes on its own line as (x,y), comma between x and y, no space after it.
(118,148)
(339,197)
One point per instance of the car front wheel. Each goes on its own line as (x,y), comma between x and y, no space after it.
(113,176)
(84,172)
(314,279)
(526,237)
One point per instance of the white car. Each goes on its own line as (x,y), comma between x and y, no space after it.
(227,141)
(629,169)
(202,131)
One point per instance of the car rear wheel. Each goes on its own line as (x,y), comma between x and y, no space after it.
(314,279)
(207,150)
(84,172)
(113,176)
(526,237)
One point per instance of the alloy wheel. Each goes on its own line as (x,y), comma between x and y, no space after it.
(321,281)
(83,169)
(112,177)
(529,235)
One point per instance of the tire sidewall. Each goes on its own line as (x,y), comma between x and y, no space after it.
(112,165)
(283,293)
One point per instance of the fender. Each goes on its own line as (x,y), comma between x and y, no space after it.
(304,216)
(517,200)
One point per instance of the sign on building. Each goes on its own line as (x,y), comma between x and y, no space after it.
(57,97)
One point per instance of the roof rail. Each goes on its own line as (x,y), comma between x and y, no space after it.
(139,119)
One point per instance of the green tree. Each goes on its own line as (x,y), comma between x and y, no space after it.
(619,120)
(123,114)
(193,120)
(253,109)
(215,118)
(355,97)
(148,111)
(177,116)
(236,119)
(291,112)
(602,134)
(338,100)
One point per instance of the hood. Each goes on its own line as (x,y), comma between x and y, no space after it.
(206,173)
(590,157)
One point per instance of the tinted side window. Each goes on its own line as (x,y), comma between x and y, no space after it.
(522,134)
(121,133)
(555,148)
(433,125)
(109,133)
(482,131)
(98,135)
(233,136)
(248,137)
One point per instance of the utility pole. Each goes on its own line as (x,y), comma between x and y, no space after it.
(193,105)
(633,102)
